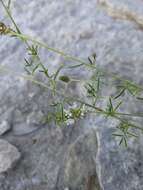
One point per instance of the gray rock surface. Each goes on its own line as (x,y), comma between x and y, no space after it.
(48,167)
(80,28)
(4,127)
(80,163)
(9,155)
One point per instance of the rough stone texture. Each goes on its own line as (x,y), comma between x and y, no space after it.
(79,27)
(80,163)
(4,127)
(45,161)
(9,155)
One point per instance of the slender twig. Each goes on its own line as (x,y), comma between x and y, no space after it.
(10,16)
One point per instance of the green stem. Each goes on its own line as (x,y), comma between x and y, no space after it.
(67,56)
(81,62)
(131,125)
(26,37)
(130,114)
(72,58)
(10,16)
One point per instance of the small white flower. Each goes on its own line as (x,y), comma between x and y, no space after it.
(82,114)
(70,114)
(70,122)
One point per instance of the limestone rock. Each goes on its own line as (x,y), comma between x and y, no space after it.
(80,163)
(55,158)
(9,155)
(4,127)
(5,120)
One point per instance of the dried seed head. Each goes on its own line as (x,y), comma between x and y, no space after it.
(4,29)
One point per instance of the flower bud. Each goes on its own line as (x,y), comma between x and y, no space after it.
(64,78)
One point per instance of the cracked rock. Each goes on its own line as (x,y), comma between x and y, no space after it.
(80,164)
